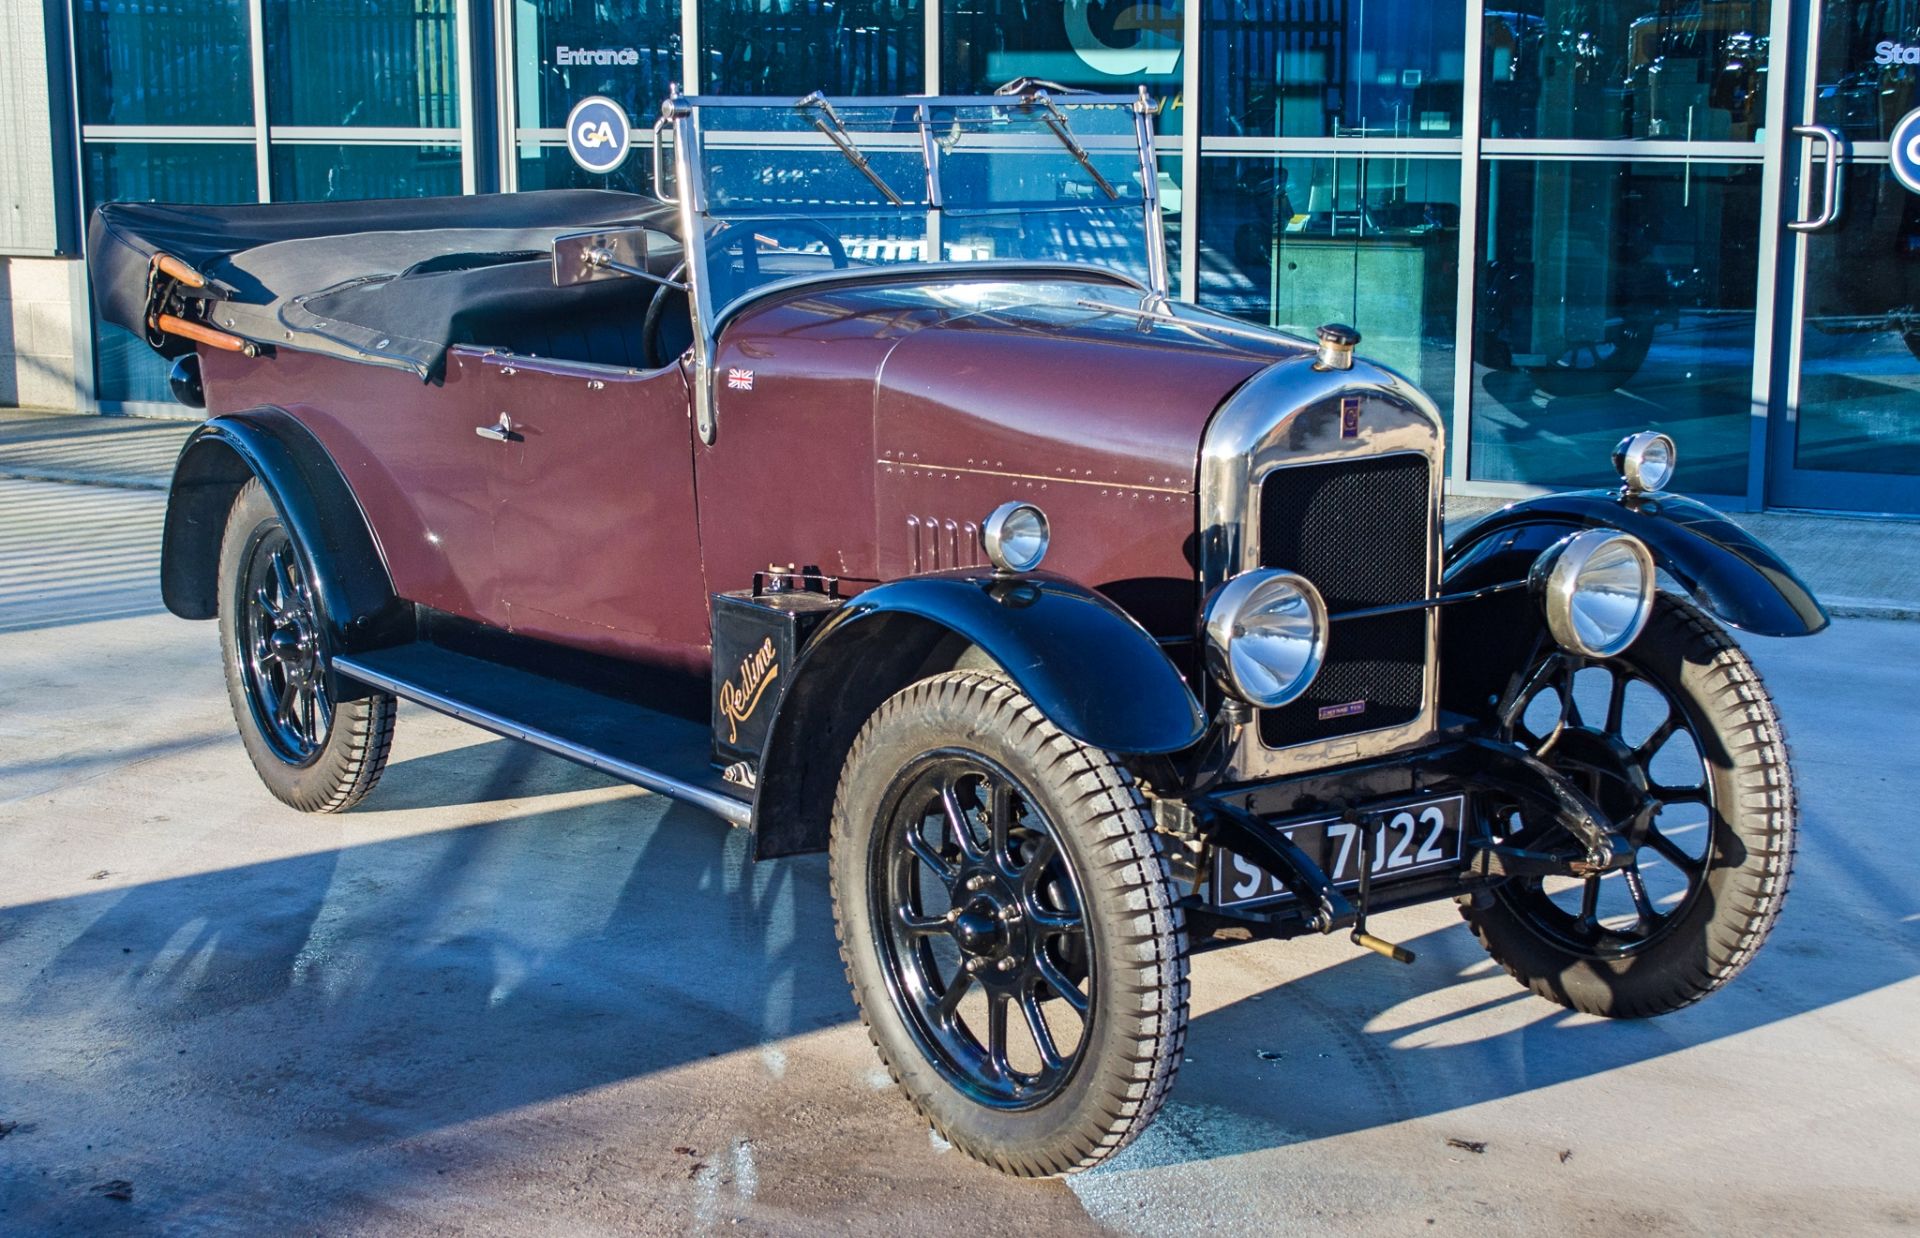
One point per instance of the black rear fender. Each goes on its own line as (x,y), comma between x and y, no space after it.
(314,502)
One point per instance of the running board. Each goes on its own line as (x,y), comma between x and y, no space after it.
(658,751)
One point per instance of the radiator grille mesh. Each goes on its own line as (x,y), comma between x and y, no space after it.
(1358,530)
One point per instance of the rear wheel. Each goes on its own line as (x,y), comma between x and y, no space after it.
(313,751)
(1007,925)
(1678,744)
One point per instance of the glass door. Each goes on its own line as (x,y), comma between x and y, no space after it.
(1850,439)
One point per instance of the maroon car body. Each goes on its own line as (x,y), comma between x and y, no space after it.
(881,425)
(723,496)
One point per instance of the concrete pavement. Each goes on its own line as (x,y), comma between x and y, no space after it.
(507,995)
(131,452)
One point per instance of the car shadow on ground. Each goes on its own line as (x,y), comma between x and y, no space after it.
(365,994)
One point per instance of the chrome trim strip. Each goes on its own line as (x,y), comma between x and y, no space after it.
(738,812)
(1270,424)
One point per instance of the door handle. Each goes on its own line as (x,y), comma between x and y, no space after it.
(1831,201)
(501,431)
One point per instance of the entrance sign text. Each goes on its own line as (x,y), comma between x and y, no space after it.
(565,56)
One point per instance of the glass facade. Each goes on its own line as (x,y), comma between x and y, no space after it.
(163,63)
(1346,68)
(1294,241)
(795,47)
(1626,69)
(566,50)
(1614,297)
(1329,172)
(1110,46)
(1577,241)
(388,63)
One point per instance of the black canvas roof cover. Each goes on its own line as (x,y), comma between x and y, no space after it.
(383,281)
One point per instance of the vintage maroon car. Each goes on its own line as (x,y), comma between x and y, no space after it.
(742,494)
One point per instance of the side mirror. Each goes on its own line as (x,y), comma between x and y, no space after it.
(581,257)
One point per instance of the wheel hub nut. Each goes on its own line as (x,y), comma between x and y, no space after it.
(977,930)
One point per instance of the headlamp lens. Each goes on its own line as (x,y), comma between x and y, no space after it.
(1266,636)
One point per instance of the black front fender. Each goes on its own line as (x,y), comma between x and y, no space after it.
(1095,672)
(1728,571)
(1086,663)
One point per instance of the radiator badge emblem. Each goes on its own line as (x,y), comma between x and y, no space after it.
(1348,710)
(740,697)
(1350,418)
(739,379)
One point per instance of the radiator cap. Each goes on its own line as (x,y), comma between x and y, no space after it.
(1337,342)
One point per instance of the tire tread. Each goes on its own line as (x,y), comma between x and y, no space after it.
(1756,743)
(1156,948)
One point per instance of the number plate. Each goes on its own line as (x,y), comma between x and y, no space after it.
(1420,837)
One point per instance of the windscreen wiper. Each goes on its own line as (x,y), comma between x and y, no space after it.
(828,122)
(1034,94)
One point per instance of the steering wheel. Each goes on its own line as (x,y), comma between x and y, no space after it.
(720,273)
(657,351)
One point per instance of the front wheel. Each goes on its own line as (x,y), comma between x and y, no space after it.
(1677,742)
(1006,921)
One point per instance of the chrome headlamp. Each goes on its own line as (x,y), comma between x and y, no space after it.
(1597,588)
(1266,635)
(1645,461)
(1015,536)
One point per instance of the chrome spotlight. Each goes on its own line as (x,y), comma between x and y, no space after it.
(1015,536)
(1645,461)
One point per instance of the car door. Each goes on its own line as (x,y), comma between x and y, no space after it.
(421,475)
(595,539)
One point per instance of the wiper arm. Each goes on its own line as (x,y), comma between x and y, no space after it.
(829,123)
(1035,94)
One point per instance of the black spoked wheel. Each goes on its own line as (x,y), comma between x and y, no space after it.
(986,945)
(279,636)
(1008,926)
(313,750)
(1677,743)
(1630,744)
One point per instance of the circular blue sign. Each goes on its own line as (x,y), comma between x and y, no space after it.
(1906,151)
(597,132)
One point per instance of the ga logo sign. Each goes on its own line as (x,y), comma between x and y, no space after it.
(597,134)
(1906,151)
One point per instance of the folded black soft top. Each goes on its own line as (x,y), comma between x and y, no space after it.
(383,281)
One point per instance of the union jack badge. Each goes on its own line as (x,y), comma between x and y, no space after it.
(739,379)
